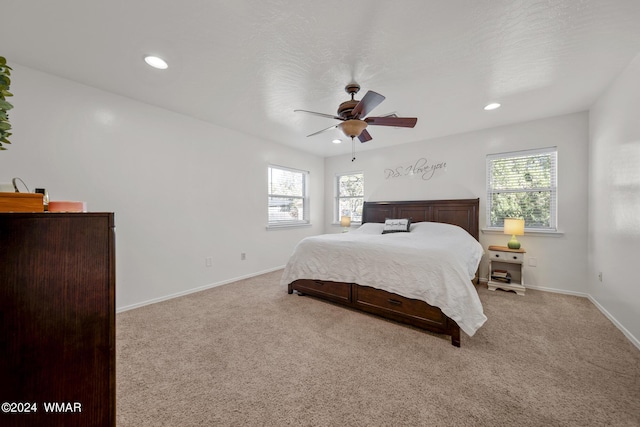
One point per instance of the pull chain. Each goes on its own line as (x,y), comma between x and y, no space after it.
(353,149)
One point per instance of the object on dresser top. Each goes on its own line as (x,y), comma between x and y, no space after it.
(67,206)
(21,202)
(45,196)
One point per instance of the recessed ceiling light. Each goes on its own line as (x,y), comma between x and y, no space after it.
(156,62)
(492,106)
(337,141)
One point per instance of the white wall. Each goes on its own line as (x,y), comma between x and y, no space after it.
(614,201)
(168,177)
(182,190)
(561,259)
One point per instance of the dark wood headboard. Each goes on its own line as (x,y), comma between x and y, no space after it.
(461,212)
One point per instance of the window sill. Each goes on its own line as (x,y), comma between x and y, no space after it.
(550,233)
(288,225)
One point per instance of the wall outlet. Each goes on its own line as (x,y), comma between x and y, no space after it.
(600,276)
(533,262)
(243,256)
(208,261)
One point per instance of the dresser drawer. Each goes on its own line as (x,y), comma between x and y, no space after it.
(516,257)
(340,292)
(375,300)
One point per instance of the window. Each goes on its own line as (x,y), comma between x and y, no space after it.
(523,184)
(288,199)
(349,196)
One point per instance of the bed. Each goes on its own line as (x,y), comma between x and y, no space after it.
(422,278)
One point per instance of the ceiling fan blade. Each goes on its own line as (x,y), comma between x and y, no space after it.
(324,130)
(365,136)
(370,101)
(329,116)
(401,122)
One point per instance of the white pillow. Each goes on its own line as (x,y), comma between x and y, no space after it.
(370,228)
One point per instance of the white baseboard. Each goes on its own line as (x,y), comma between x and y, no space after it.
(558,291)
(608,315)
(635,341)
(194,290)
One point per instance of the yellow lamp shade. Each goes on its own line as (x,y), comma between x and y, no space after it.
(515,227)
(345,221)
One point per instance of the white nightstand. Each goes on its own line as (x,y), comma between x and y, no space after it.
(505,269)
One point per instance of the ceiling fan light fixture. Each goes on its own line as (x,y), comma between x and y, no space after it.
(156,62)
(354,116)
(352,128)
(492,106)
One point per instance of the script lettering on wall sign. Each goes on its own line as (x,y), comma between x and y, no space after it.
(421,168)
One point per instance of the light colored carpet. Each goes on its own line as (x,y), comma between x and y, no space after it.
(248,353)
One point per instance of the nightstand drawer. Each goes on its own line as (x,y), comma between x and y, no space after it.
(506,256)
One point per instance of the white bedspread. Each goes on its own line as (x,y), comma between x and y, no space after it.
(433,262)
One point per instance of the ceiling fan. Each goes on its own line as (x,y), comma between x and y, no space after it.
(353,115)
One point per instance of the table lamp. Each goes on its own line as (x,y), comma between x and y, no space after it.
(345,221)
(515,227)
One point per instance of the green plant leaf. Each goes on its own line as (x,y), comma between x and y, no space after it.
(5,82)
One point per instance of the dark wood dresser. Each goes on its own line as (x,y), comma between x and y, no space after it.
(57,319)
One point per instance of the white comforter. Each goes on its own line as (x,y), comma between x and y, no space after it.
(433,262)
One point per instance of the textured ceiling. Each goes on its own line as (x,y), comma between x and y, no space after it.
(247,65)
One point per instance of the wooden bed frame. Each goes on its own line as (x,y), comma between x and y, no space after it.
(461,212)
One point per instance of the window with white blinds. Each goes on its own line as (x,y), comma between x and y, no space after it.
(523,184)
(288,198)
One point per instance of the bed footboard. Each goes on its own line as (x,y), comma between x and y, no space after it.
(382,303)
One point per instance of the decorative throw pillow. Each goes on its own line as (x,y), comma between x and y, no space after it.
(396,225)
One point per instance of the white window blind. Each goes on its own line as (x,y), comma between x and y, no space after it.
(349,192)
(288,199)
(523,184)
